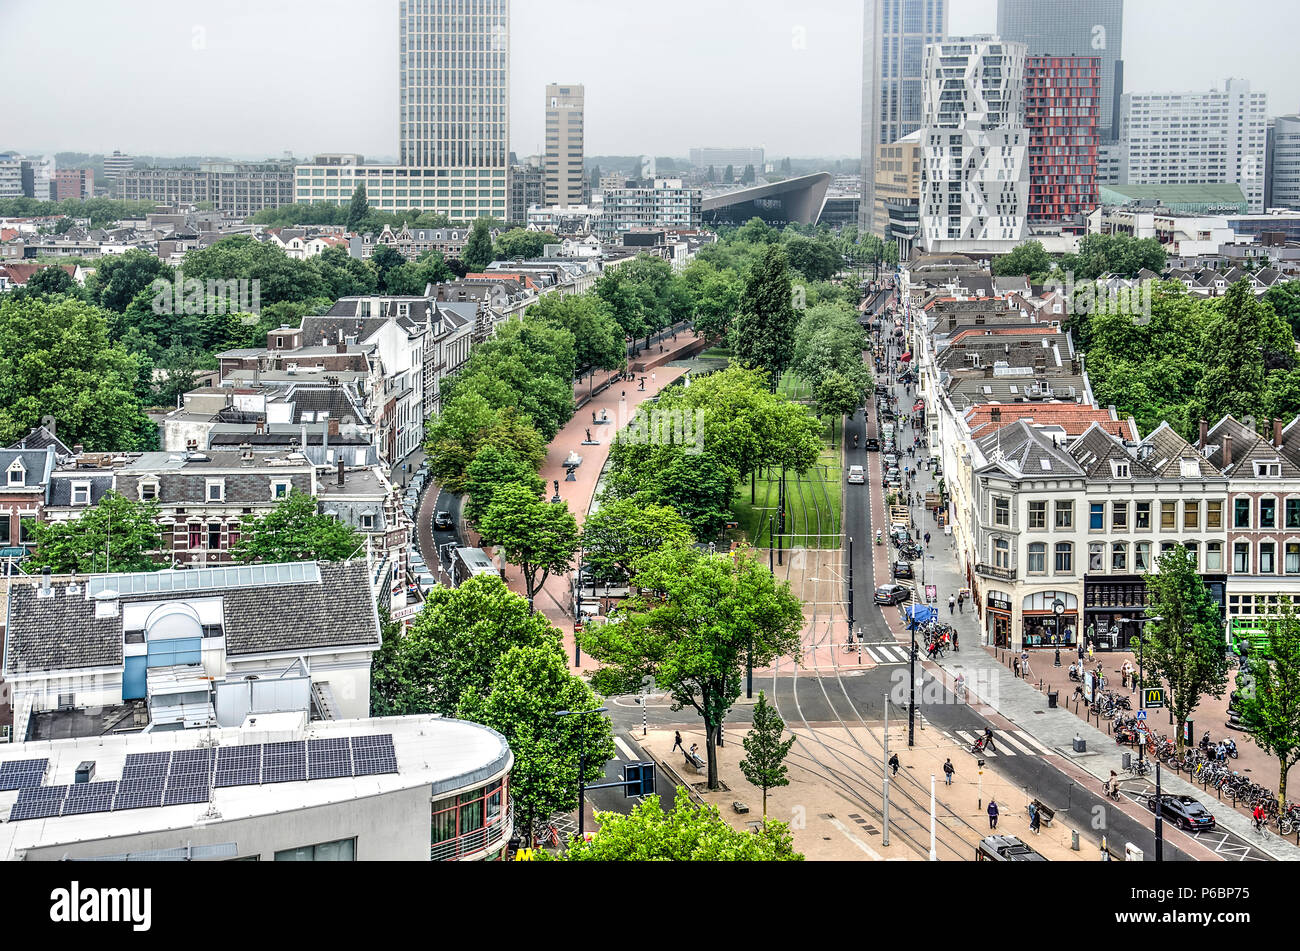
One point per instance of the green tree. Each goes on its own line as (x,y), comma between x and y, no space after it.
(815,260)
(1185,647)
(295,531)
(841,393)
(729,176)
(118,534)
(520,244)
(763,331)
(478,249)
(1242,342)
(492,468)
(385,260)
(539,537)
(689,833)
(597,337)
(765,751)
(617,534)
(529,686)
(343,275)
(48,282)
(118,279)
(715,297)
(1270,704)
(1030,259)
(56,359)
(358,209)
(698,485)
(747,176)
(470,422)
(691,627)
(1284,298)
(241,257)
(451,648)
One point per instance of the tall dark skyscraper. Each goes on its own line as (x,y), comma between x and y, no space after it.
(894,37)
(1074,28)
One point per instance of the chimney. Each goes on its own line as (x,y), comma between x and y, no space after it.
(333,427)
(45,581)
(261,425)
(340,348)
(304,437)
(1227,450)
(1205,435)
(340,472)
(78,449)
(1277,434)
(325,441)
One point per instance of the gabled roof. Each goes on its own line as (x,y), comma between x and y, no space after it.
(1073,418)
(40,438)
(1022,451)
(36,464)
(1097,449)
(1248,447)
(21,272)
(1168,449)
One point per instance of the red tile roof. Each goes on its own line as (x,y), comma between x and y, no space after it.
(20,273)
(1071,417)
(522,279)
(8,234)
(1003,332)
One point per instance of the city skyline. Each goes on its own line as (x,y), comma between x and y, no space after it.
(247,99)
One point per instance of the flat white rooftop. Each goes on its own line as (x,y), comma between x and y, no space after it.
(441,754)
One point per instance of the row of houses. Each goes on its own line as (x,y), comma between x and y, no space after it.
(1057,506)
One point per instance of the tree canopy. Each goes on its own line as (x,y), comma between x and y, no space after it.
(295,531)
(118,534)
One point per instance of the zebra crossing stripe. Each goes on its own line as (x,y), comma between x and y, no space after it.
(970,741)
(1037,747)
(1010,740)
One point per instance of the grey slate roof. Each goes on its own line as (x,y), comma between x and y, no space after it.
(37,466)
(60,493)
(41,438)
(58,633)
(62,632)
(1023,451)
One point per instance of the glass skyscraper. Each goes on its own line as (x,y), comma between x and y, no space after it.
(455,83)
(1074,28)
(895,34)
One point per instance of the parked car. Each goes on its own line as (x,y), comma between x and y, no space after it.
(442,522)
(893,594)
(1184,810)
(903,569)
(857,475)
(891,460)
(871,445)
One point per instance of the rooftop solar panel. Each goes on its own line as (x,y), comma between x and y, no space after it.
(39,802)
(146,764)
(89,797)
(329,758)
(284,762)
(374,755)
(181,795)
(239,765)
(192,761)
(141,793)
(23,773)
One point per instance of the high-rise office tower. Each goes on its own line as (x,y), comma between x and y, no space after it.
(974,146)
(1284,164)
(454,137)
(1074,28)
(1198,138)
(455,83)
(1061,115)
(894,36)
(562,164)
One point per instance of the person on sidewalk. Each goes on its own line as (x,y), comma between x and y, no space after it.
(993,814)
(961,603)
(927,539)
(893,763)
(952,603)
(947,772)
(1024,665)
(677,743)
(1033,818)
(1015,666)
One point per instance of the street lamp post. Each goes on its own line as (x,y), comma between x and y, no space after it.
(582,765)
(1142,703)
(911,677)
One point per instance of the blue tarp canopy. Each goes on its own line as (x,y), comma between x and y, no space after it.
(920,613)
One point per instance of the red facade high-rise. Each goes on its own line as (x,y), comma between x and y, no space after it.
(1062,110)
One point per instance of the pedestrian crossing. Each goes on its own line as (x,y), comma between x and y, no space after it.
(1005,743)
(886,653)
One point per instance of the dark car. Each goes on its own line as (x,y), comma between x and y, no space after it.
(871,445)
(1184,810)
(442,522)
(903,569)
(893,594)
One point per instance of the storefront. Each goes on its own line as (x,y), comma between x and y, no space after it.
(1107,604)
(1050,619)
(997,619)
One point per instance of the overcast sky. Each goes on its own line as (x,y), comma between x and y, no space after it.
(256,78)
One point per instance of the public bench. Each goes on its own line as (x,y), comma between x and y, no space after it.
(1045,815)
(694,760)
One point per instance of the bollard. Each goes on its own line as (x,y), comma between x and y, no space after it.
(1074,839)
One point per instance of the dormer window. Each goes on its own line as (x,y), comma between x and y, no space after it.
(279,489)
(1121,470)
(1268,470)
(17,473)
(81,493)
(148,491)
(216,491)
(1189,468)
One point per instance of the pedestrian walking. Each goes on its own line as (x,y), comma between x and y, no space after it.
(677,743)
(947,772)
(961,602)
(988,739)
(1090,652)
(893,763)
(1015,666)
(1123,676)
(1024,664)
(952,603)
(653,376)
(993,814)
(1080,652)
(927,539)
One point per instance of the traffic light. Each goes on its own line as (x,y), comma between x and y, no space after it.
(639,779)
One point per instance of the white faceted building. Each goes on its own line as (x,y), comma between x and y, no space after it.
(975,147)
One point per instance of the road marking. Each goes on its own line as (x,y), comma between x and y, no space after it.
(625,749)
(1029,739)
(970,741)
(1010,739)
(856,841)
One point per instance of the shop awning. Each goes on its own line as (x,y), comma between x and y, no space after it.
(920,613)
(906,358)
(920,405)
